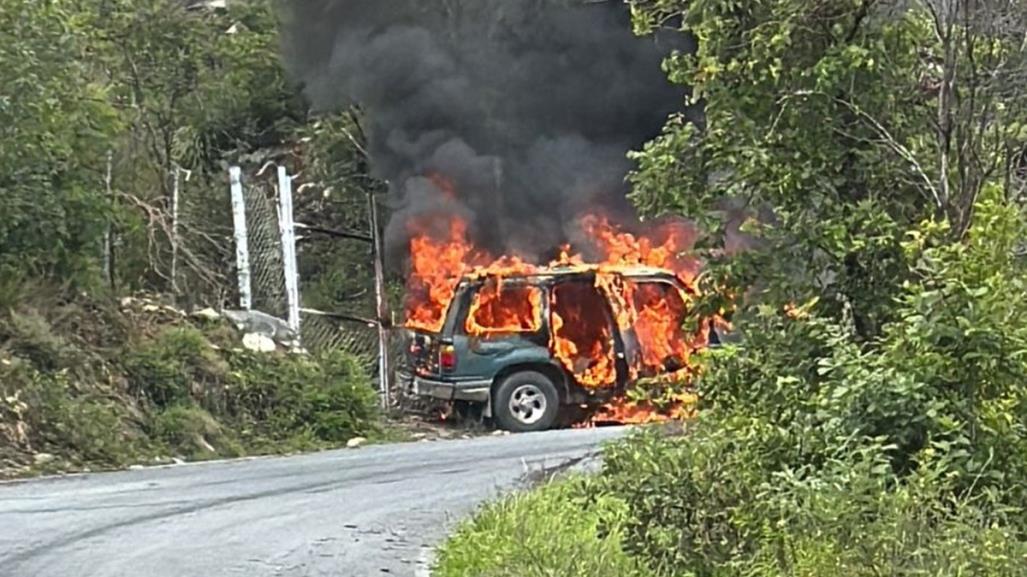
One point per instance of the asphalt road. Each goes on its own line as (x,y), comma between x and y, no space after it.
(354,513)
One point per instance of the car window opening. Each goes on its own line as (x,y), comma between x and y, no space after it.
(582,334)
(661,311)
(498,308)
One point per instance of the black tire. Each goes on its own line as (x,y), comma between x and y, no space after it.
(526,401)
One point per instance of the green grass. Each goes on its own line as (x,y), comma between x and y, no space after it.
(561,529)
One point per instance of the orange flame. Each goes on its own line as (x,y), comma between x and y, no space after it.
(660,249)
(436,268)
(499,309)
(626,412)
(581,326)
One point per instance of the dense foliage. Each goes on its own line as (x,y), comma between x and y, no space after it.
(822,124)
(858,178)
(105,104)
(873,419)
(816,455)
(54,124)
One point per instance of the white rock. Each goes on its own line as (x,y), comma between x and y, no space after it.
(259,343)
(43,458)
(174,311)
(355,442)
(207,314)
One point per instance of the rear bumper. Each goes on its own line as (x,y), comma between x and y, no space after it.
(474,391)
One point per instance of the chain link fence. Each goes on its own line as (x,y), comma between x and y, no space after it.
(267,267)
(325,333)
(189,239)
(319,330)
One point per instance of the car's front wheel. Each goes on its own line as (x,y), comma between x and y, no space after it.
(526,401)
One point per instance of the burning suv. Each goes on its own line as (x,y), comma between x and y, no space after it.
(529,345)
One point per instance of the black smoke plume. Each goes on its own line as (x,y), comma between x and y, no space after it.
(527,107)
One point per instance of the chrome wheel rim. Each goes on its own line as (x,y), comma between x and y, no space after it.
(527,404)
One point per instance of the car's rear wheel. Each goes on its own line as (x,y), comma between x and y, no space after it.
(526,401)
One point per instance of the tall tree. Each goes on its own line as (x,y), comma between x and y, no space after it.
(845,123)
(54,124)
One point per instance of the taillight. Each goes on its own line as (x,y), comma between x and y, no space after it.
(447,357)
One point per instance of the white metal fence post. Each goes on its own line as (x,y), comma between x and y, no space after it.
(287,227)
(384,366)
(176,190)
(242,245)
(108,232)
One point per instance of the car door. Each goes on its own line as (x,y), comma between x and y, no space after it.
(586,339)
(488,338)
(660,307)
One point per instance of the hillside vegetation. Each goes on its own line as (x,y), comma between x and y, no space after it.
(103,106)
(873,420)
(91,385)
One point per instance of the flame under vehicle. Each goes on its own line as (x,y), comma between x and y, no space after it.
(534,346)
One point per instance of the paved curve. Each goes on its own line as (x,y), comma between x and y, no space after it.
(376,511)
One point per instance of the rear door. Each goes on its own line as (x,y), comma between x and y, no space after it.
(660,307)
(585,338)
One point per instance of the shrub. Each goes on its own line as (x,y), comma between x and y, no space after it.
(721,501)
(309,401)
(328,397)
(185,396)
(818,452)
(193,432)
(53,417)
(683,493)
(173,368)
(345,405)
(29,335)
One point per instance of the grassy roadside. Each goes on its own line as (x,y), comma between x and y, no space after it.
(563,528)
(702,505)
